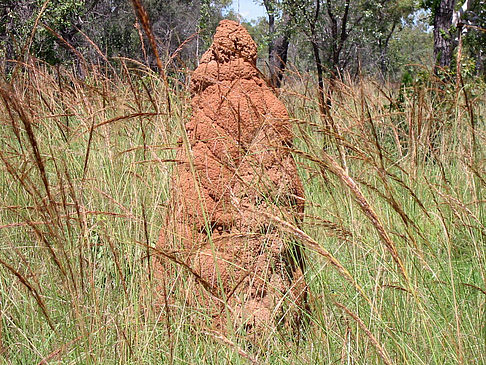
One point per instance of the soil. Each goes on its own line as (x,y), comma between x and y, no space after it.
(235,165)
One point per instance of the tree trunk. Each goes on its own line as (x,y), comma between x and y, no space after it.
(443,38)
(384,51)
(339,35)
(320,80)
(279,44)
(323,97)
(6,36)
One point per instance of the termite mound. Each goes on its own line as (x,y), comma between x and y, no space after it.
(234,186)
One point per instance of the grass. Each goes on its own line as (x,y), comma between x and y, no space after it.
(394,227)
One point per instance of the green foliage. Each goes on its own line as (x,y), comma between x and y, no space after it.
(62,16)
(475,37)
(412,44)
(110,26)
(430,5)
(204,20)
(350,35)
(375,37)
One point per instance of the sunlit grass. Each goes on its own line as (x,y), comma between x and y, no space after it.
(84,186)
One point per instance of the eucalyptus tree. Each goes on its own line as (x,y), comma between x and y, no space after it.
(442,12)
(41,28)
(449,19)
(64,31)
(382,20)
(279,37)
(475,37)
(346,35)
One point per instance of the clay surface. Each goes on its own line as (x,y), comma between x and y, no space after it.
(236,165)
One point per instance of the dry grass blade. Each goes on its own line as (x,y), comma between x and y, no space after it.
(314,245)
(379,348)
(124,117)
(181,47)
(481,290)
(88,149)
(156,252)
(97,49)
(334,167)
(144,19)
(146,236)
(54,354)
(44,239)
(29,188)
(117,261)
(14,102)
(222,338)
(33,290)
(128,213)
(84,63)
(28,43)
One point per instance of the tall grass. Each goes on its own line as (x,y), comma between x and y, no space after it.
(394,226)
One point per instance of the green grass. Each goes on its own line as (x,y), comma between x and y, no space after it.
(395,193)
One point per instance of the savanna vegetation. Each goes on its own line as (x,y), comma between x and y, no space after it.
(390,137)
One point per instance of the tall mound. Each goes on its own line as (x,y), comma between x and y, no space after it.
(235,172)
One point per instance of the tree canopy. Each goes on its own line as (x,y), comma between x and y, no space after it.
(335,37)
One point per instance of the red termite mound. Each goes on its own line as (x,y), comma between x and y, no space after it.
(235,173)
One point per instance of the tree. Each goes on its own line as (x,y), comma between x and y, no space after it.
(279,41)
(343,34)
(474,18)
(7,26)
(410,45)
(109,26)
(58,19)
(450,19)
(383,19)
(443,33)
(346,35)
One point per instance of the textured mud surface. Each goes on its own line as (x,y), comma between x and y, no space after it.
(235,167)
